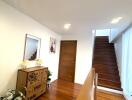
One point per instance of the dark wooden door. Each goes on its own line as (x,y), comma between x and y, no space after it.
(67,60)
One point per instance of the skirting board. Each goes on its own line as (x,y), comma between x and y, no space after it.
(127,97)
(109,90)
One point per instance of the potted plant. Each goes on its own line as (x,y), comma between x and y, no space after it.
(48,77)
(49,74)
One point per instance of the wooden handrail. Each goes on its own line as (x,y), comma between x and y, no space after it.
(88,90)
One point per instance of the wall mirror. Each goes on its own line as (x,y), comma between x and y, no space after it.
(32,47)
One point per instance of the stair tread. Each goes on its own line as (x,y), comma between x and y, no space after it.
(109,84)
(103,66)
(104,46)
(109,77)
(108,72)
(105,41)
(102,62)
(104,53)
(110,80)
(106,63)
(106,68)
(103,59)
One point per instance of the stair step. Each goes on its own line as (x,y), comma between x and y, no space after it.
(105,62)
(106,49)
(104,65)
(109,77)
(100,41)
(106,72)
(109,49)
(97,55)
(104,59)
(101,38)
(104,53)
(104,56)
(109,84)
(106,68)
(103,43)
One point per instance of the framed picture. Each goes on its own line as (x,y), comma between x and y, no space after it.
(32,47)
(52,46)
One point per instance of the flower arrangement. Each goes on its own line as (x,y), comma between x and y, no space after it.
(13,95)
(39,62)
(24,64)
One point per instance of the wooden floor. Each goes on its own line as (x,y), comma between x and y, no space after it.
(62,90)
(103,95)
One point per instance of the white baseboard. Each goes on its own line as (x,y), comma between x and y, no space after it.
(110,90)
(127,97)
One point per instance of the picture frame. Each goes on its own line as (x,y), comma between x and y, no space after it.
(52,45)
(32,47)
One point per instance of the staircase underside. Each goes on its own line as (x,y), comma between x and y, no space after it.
(105,64)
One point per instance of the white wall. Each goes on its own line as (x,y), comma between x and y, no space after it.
(115,32)
(13,27)
(84,54)
(103,32)
(118,50)
(123,48)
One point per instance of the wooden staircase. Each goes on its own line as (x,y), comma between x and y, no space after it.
(104,62)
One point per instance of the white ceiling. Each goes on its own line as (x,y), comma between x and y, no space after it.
(84,15)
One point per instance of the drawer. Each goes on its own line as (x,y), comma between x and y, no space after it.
(33,77)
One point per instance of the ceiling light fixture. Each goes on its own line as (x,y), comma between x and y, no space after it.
(116,20)
(67,26)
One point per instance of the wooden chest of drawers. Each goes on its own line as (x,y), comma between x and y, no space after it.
(32,81)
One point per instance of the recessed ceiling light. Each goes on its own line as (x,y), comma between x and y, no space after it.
(116,20)
(67,26)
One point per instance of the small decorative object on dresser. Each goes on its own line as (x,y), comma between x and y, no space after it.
(24,64)
(32,81)
(39,62)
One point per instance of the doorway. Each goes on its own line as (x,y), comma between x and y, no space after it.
(67,60)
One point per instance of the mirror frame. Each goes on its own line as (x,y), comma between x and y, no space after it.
(38,49)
